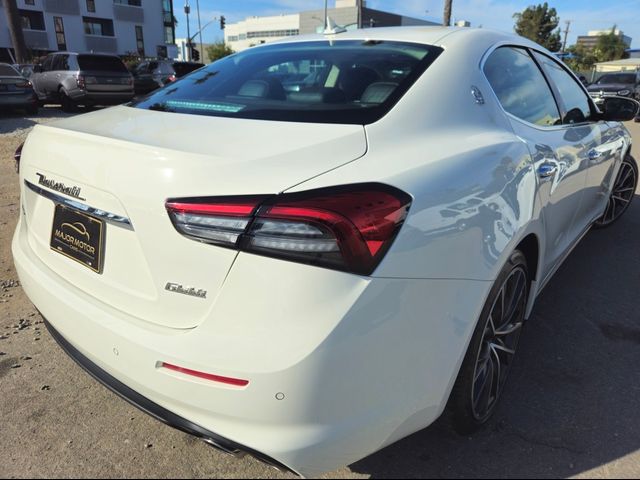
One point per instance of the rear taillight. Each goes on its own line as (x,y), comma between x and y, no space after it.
(347,228)
(17,156)
(24,85)
(81,81)
(172,78)
(220,220)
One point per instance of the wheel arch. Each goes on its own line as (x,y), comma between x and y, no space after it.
(530,247)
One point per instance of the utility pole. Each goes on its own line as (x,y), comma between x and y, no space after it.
(566,34)
(187,11)
(15,30)
(447,13)
(326,12)
(200,29)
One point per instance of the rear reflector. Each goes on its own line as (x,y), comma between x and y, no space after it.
(206,376)
(347,228)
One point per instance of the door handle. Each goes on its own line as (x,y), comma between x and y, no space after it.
(547,170)
(594,154)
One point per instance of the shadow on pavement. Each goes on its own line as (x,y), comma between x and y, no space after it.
(572,402)
(14,120)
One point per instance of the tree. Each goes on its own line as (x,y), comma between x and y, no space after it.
(582,59)
(540,24)
(218,50)
(447,13)
(610,47)
(15,30)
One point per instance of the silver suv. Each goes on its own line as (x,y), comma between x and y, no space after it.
(73,79)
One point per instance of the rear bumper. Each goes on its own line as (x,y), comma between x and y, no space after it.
(339,365)
(155,410)
(18,100)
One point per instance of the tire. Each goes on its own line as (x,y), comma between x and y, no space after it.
(466,407)
(67,104)
(622,194)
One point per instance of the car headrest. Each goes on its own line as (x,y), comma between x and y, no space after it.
(267,88)
(378,92)
(254,88)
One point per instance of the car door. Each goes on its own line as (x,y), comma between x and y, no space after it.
(600,145)
(39,79)
(558,150)
(50,79)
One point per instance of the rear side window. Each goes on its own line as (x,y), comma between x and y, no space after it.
(101,63)
(166,69)
(61,62)
(575,100)
(521,87)
(348,81)
(8,71)
(48,62)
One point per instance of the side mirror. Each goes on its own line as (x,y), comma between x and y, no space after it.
(619,109)
(37,69)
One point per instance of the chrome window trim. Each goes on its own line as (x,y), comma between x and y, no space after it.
(108,217)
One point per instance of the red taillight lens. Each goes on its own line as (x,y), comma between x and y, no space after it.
(17,156)
(80,80)
(172,78)
(346,228)
(24,85)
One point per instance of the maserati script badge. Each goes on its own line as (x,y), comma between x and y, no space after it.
(59,187)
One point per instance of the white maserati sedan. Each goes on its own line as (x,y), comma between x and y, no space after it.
(313,248)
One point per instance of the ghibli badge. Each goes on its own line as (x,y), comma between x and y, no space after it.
(192,292)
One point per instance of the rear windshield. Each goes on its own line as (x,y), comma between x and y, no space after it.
(102,63)
(182,69)
(8,71)
(618,78)
(351,82)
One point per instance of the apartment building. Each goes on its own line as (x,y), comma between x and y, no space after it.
(143,27)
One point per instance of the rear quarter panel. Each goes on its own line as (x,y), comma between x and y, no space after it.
(471,178)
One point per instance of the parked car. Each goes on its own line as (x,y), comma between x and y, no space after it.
(16,92)
(153,74)
(310,274)
(616,84)
(88,79)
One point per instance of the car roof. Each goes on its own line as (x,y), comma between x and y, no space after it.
(429,35)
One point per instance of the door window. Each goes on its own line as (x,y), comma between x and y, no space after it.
(577,108)
(46,65)
(520,86)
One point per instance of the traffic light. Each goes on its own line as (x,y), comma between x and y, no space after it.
(195,54)
(223,22)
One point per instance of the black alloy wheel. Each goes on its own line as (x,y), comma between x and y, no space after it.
(622,193)
(491,352)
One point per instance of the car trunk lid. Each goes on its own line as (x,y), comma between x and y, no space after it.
(127,162)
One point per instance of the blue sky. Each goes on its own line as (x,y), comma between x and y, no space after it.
(584,14)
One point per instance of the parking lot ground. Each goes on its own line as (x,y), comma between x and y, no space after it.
(570,408)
